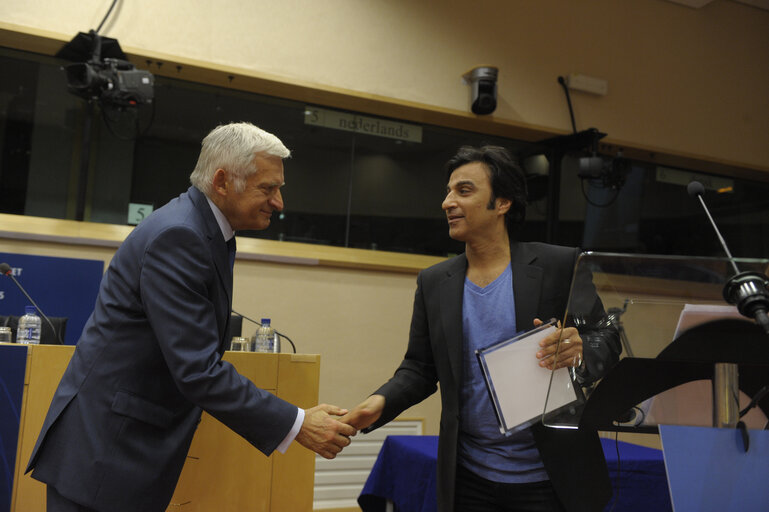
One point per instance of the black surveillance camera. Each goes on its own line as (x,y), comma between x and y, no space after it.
(483,89)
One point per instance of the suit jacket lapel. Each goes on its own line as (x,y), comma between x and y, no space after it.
(218,247)
(527,285)
(451,291)
(527,290)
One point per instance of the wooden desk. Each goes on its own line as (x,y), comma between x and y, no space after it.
(223,472)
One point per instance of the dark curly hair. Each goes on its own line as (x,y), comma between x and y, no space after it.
(506,176)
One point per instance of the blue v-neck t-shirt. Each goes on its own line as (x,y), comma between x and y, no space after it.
(488,317)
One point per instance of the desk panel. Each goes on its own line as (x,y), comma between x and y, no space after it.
(46,365)
(223,472)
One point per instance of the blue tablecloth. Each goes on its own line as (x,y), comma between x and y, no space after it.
(405,473)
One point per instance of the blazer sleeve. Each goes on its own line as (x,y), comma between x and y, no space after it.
(600,338)
(178,281)
(416,377)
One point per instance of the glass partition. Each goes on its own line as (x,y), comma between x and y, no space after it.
(354,179)
(641,304)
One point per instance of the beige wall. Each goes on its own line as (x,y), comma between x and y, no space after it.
(357,320)
(686,80)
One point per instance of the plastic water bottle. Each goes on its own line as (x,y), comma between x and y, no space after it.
(266,338)
(29,327)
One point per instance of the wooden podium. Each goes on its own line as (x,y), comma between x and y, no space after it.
(223,472)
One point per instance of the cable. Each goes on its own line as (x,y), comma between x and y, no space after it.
(106,16)
(293,347)
(562,81)
(140,132)
(754,401)
(276,331)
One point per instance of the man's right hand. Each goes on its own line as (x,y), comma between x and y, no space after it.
(323,434)
(365,413)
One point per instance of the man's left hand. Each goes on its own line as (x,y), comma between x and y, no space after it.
(568,354)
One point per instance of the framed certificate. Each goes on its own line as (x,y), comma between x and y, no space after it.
(518,386)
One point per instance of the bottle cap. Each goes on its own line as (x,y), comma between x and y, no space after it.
(265,321)
(30,310)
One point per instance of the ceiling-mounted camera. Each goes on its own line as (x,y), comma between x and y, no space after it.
(102,72)
(608,172)
(483,89)
(112,81)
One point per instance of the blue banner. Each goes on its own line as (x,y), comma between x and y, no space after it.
(13,365)
(62,287)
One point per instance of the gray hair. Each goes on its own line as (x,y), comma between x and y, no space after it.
(232,147)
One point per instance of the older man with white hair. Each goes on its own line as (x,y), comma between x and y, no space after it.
(149,360)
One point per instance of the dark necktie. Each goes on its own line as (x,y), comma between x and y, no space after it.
(231,251)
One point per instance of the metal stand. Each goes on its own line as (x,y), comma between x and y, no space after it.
(85,159)
(614,316)
(726,395)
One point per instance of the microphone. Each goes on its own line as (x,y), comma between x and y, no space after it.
(6,270)
(276,331)
(749,291)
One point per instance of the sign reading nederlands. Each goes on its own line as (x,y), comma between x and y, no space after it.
(362,124)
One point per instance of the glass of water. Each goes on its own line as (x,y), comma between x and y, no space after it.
(240,344)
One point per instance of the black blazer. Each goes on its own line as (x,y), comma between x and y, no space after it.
(149,360)
(542,276)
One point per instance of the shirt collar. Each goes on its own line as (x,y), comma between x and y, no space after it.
(224,224)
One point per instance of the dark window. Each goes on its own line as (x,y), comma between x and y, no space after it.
(342,188)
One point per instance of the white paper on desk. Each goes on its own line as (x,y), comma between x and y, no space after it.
(696,314)
(518,385)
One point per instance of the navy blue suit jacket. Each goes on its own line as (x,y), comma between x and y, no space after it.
(148,361)
(542,277)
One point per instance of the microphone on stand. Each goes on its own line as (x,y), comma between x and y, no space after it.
(749,291)
(6,270)
(260,323)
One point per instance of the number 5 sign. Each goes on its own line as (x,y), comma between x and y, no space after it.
(137,212)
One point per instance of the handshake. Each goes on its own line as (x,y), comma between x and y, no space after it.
(326,435)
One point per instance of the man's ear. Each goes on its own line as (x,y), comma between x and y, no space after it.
(504,204)
(220,184)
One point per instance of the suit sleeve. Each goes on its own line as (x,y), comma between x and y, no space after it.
(178,279)
(416,377)
(600,338)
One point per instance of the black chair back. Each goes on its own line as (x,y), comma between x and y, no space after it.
(235,329)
